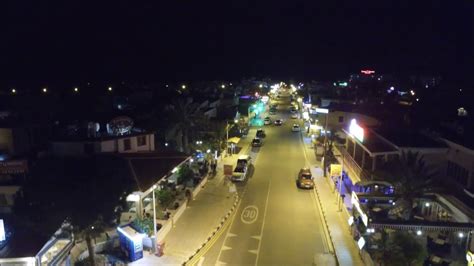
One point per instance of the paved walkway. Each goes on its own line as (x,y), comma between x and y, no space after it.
(200,218)
(345,247)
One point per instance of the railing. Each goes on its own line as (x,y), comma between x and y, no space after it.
(352,166)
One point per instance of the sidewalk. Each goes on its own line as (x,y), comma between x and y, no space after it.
(200,218)
(345,247)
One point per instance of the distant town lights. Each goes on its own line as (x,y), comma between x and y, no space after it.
(183,87)
(461,235)
(260,86)
(412,92)
(418,232)
(45,90)
(223,86)
(76,89)
(166,144)
(13,91)
(110,88)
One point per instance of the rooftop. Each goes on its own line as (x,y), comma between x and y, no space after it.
(408,138)
(149,168)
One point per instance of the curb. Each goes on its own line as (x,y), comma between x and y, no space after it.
(214,232)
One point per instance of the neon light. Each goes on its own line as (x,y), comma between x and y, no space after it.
(367,72)
(355,202)
(322,110)
(356,131)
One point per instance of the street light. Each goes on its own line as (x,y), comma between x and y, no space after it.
(45,90)
(154,218)
(13,91)
(223,86)
(110,88)
(183,86)
(76,89)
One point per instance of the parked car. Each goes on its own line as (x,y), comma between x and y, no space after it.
(257,142)
(295,128)
(240,171)
(305,179)
(267,120)
(260,133)
(278,122)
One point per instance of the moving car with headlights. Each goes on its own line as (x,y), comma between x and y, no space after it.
(305,179)
(278,122)
(257,142)
(241,169)
(295,128)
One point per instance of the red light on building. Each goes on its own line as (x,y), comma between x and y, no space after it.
(367,72)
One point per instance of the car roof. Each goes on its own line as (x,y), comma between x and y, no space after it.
(305,170)
(244,157)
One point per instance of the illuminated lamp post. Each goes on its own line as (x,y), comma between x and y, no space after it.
(154,219)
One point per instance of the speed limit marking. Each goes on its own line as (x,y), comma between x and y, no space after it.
(249,214)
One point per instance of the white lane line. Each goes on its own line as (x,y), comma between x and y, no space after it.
(201,261)
(229,234)
(263,223)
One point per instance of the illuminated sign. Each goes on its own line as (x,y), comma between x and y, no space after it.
(350,221)
(470,257)
(336,170)
(2,231)
(367,72)
(355,202)
(133,198)
(356,131)
(322,110)
(361,242)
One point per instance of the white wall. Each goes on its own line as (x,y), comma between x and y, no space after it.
(108,146)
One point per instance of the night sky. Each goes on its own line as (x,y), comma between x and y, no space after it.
(196,40)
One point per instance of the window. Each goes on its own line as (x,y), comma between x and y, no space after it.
(141,140)
(127,145)
(341,119)
(459,173)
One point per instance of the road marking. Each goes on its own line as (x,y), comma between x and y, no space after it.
(263,223)
(229,234)
(257,237)
(201,261)
(226,248)
(253,251)
(249,214)
(317,207)
(220,263)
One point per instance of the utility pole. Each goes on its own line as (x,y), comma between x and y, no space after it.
(154,220)
(325,143)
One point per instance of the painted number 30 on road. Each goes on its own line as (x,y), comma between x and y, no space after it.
(249,214)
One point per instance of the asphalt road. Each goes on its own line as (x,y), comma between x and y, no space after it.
(276,223)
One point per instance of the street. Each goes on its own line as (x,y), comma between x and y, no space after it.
(276,223)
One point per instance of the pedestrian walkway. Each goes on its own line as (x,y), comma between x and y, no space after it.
(200,218)
(345,247)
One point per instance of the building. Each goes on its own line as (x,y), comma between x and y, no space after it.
(26,248)
(119,136)
(438,219)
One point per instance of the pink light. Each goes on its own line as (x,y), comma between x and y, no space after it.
(367,72)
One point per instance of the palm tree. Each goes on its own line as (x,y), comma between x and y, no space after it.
(91,232)
(181,112)
(410,177)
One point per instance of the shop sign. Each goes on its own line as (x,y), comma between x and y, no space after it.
(356,131)
(336,170)
(355,202)
(13,167)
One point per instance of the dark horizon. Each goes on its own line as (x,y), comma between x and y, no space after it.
(76,42)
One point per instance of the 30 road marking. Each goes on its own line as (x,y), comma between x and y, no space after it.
(249,214)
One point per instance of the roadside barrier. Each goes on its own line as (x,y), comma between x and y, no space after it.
(214,232)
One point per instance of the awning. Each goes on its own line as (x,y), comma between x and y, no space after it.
(233,140)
